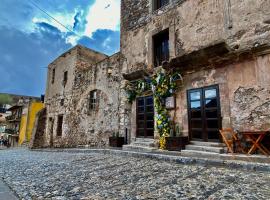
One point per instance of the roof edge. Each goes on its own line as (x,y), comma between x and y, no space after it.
(76,47)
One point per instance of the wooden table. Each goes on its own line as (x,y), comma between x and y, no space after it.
(256,137)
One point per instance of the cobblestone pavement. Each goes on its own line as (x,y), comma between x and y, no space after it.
(59,175)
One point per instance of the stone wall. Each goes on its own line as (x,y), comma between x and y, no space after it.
(244,93)
(251,108)
(38,138)
(81,125)
(192,25)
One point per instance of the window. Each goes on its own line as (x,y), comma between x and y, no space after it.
(2,108)
(59,125)
(161,47)
(65,78)
(20,112)
(53,76)
(160,3)
(93,100)
(62,101)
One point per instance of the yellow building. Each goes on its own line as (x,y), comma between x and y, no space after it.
(28,121)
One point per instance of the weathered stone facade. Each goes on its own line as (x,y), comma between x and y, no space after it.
(221,43)
(211,42)
(38,134)
(87,71)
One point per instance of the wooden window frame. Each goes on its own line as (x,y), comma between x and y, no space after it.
(161,47)
(93,100)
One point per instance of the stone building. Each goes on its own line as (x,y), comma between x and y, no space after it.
(20,117)
(221,48)
(82,98)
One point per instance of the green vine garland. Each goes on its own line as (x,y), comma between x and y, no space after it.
(163,85)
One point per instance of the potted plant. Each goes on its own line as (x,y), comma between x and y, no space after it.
(116,140)
(176,142)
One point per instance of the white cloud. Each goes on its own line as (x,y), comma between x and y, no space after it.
(66,19)
(103,14)
(72,39)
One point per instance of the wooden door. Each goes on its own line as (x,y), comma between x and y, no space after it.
(204,113)
(145,117)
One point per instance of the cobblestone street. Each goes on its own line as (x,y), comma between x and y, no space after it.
(59,175)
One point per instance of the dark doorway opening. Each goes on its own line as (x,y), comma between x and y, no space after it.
(51,123)
(145,117)
(159,3)
(59,125)
(204,113)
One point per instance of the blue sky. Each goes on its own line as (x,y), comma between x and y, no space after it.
(30,39)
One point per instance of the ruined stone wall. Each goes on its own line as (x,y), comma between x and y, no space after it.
(93,127)
(89,71)
(38,139)
(192,25)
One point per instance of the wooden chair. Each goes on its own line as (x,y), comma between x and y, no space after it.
(231,140)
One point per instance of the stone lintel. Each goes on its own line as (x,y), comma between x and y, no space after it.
(135,75)
(200,57)
(213,55)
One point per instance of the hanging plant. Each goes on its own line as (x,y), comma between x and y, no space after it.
(163,85)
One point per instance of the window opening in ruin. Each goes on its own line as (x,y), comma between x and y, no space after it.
(59,125)
(161,47)
(93,100)
(160,3)
(65,78)
(62,101)
(53,76)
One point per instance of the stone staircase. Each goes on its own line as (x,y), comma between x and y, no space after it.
(141,145)
(203,149)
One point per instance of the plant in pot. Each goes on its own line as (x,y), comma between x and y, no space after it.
(176,141)
(116,140)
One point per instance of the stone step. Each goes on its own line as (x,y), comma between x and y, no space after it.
(134,148)
(209,144)
(200,154)
(205,148)
(144,144)
(144,140)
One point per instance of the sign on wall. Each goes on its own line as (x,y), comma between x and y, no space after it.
(170,102)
